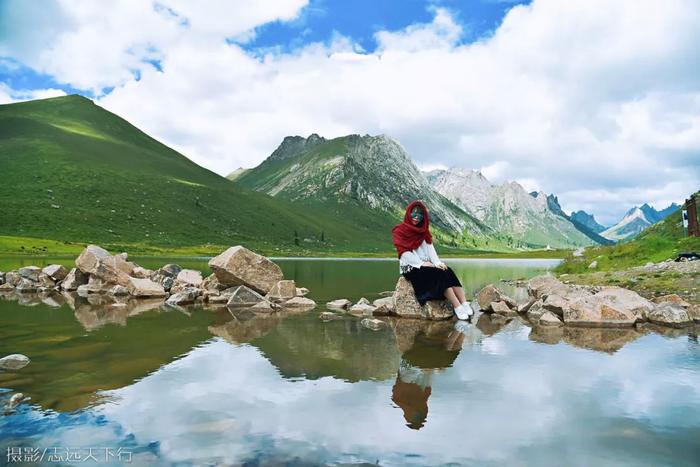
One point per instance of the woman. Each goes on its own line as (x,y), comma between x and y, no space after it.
(419,263)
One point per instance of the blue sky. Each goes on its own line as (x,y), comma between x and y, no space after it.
(595,101)
(360,19)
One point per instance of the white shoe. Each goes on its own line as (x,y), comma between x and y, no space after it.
(463,312)
(461,326)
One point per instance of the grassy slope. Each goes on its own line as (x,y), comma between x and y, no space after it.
(659,242)
(117,186)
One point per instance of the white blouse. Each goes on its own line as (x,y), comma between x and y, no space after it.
(415,258)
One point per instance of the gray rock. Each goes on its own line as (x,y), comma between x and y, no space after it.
(669,314)
(361,309)
(593,265)
(170,270)
(26,286)
(74,279)
(502,308)
(118,290)
(190,277)
(385,302)
(6,287)
(142,273)
(242,296)
(299,302)
(189,295)
(406,305)
(282,291)
(490,294)
(14,401)
(525,307)
(88,259)
(339,304)
(144,288)
(328,316)
(14,361)
(57,272)
(550,319)
(301,291)
(536,311)
(30,273)
(362,301)
(240,266)
(13,278)
(540,286)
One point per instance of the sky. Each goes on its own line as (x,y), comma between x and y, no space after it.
(596,101)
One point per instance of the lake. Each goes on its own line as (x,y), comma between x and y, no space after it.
(144,385)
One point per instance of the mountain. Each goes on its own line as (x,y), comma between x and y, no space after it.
(529,220)
(658,242)
(635,220)
(367,177)
(553,204)
(588,220)
(72,171)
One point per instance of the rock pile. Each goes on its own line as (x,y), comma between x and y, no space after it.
(240,278)
(553,303)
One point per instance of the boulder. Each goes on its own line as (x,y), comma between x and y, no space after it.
(362,301)
(540,286)
(2,277)
(339,304)
(118,290)
(525,307)
(669,314)
(593,265)
(694,313)
(242,296)
(265,307)
(299,302)
(26,286)
(30,273)
(88,259)
(14,401)
(386,302)
(502,308)
(361,309)
(536,311)
(373,324)
(282,291)
(491,294)
(6,287)
(301,291)
(550,319)
(240,266)
(611,307)
(189,277)
(12,278)
(189,295)
(14,361)
(212,283)
(57,272)
(406,305)
(141,273)
(144,288)
(74,279)
(113,270)
(672,298)
(170,270)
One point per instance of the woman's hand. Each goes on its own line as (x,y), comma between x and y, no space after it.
(442,266)
(428,264)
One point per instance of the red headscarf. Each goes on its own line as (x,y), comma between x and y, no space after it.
(408,237)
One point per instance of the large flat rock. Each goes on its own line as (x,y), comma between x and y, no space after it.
(406,305)
(240,266)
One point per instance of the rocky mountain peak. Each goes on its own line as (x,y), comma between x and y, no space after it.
(295,145)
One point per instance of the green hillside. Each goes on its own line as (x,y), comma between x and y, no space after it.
(658,242)
(74,172)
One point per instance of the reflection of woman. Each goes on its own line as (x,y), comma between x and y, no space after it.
(413,385)
(419,263)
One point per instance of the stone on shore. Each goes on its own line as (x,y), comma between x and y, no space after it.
(142,273)
(550,319)
(672,298)
(89,258)
(536,311)
(339,304)
(669,314)
(26,286)
(406,305)
(525,307)
(13,278)
(362,301)
(386,302)
(242,296)
(14,401)
(282,291)
(607,309)
(301,291)
(240,266)
(361,309)
(299,302)
(30,273)
(502,308)
(190,277)
(74,279)
(543,285)
(6,287)
(188,295)
(57,272)
(490,294)
(14,361)
(144,288)
(265,307)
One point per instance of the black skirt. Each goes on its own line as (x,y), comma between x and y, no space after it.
(431,283)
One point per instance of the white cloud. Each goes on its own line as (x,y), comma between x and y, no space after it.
(9,95)
(593,100)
